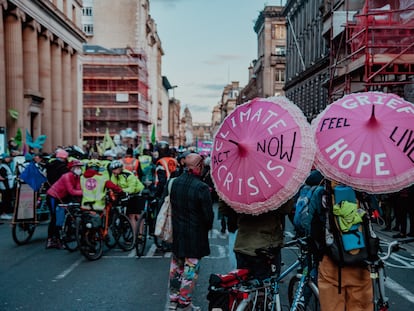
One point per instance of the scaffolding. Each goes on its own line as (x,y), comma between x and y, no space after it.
(375,51)
(115,93)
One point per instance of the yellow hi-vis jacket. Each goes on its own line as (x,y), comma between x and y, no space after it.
(93,191)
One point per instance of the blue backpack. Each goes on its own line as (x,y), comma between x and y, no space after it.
(301,220)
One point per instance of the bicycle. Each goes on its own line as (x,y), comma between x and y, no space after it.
(146,223)
(30,209)
(378,276)
(68,231)
(264,295)
(110,226)
(121,228)
(303,290)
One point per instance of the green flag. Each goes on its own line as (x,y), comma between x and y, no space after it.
(18,138)
(13,113)
(107,143)
(153,135)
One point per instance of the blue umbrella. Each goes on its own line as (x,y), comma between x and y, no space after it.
(33,177)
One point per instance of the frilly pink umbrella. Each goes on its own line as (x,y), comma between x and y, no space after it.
(262,153)
(366,140)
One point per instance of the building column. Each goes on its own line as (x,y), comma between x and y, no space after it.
(57,107)
(67,97)
(30,57)
(3,110)
(45,86)
(77,95)
(14,71)
(32,98)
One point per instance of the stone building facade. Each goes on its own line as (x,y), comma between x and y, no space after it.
(267,72)
(307,71)
(40,75)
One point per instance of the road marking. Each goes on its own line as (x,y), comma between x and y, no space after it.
(68,270)
(405,262)
(152,250)
(400,290)
(132,253)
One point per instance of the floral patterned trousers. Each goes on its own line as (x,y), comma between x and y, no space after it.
(183,275)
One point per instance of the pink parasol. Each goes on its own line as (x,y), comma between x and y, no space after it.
(262,153)
(366,140)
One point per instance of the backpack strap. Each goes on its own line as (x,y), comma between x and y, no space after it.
(327,206)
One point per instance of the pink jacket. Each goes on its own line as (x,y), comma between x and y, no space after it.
(67,184)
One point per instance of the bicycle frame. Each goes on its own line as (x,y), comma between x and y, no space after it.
(304,279)
(298,297)
(145,224)
(377,273)
(104,215)
(378,277)
(251,292)
(90,235)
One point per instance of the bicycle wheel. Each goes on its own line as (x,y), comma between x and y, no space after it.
(308,301)
(22,232)
(89,241)
(69,233)
(141,235)
(126,238)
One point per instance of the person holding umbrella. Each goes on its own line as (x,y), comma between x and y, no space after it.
(360,140)
(264,231)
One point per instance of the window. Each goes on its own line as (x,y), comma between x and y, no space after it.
(278,31)
(88,29)
(87,11)
(234,94)
(280,50)
(280,75)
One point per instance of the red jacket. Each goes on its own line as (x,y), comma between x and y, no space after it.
(67,184)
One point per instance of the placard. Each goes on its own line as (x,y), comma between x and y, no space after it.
(25,203)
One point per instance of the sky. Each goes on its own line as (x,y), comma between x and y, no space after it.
(207,45)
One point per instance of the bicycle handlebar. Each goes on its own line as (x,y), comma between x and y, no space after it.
(144,193)
(395,246)
(300,241)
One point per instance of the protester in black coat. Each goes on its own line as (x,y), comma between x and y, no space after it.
(192,218)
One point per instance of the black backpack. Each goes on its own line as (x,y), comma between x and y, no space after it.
(355,246)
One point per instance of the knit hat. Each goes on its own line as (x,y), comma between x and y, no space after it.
(193,160)
(61,153)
